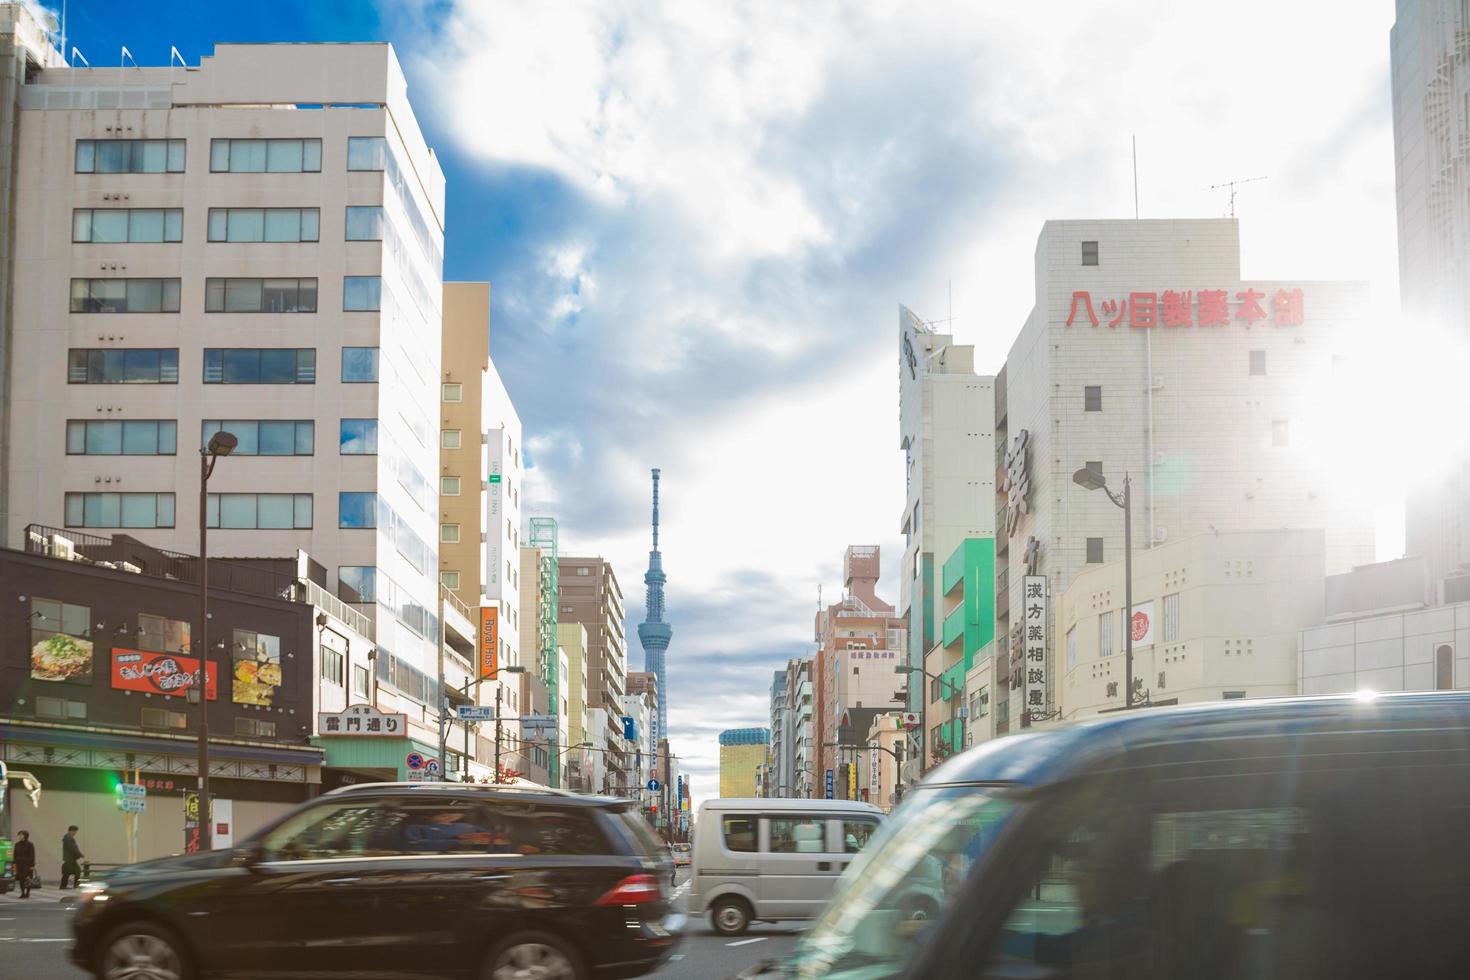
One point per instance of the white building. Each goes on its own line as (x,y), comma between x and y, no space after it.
(1147,355)
(947,433)
(1430,52)
(1215,616)
(1388,629)
(252,245)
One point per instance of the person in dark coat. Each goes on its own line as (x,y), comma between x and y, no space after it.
(25,861)
(71,857)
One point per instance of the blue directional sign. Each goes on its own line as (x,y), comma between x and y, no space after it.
(829,784)
(630,728)
(653,785)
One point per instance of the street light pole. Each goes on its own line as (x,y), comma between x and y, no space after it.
(499,695)
(1090,479)
(220,444)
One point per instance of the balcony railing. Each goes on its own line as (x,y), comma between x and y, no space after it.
(454,601)
(323,599)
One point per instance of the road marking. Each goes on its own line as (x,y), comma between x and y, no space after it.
(677,956)
(14,939)
(747,942)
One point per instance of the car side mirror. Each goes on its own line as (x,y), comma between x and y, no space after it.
(245,856)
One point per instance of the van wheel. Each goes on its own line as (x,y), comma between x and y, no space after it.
(730,916)
(533,956)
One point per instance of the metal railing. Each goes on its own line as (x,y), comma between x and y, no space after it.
(322,599)
(455,602)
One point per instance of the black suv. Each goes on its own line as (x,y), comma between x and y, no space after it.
(399,880)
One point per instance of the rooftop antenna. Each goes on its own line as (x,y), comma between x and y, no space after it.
(126,57)
(75,54)
(1135,176)
(1232,184)
(174,55)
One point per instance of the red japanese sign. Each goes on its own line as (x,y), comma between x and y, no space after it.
(159,673)
(1172,309)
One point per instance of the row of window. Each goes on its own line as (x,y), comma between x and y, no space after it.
(234,511)
(117,226)
(256,437)
(360,294)
(234,156)
(229,365)
(1105,635)
(1092,394)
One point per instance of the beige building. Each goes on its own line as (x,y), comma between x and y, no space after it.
(589,594)
(201,253)
(1215,616)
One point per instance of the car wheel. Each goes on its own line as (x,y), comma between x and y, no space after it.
(143,951)
(533,956)
(730,916)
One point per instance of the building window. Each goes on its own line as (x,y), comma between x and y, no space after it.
(163,718)
(61,709)
(449,533)
(264,224)
(365,224)
(125,295)
(450,580)
(1072,648)
(144,437)
(367,153)
(260,511)
(1092,398)
(1444,667)
(260,296)
(1280,432)
(449,439)
(255,726)
(453,392)
(138,365)
(359,437)
(359,364)
(362,293)
(449,486)
(130,157)
(159,634)
(359,681)
(255,156)
(1171,618)
(119,510)
(584,570)
(1232,695)
(259,366)
(107,226)
(357,583)
(1089,253)
(357,509)
(1105,635)
(1094,551)
(332,666)
(1258,362)
(261,437)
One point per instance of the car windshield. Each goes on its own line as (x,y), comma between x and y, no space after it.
(902,883)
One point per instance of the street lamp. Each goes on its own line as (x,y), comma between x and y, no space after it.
(1090,479)
(944,686)
(220,444)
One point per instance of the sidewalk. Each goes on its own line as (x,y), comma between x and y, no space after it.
(39,896)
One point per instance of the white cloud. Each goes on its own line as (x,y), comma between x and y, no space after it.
(749,190)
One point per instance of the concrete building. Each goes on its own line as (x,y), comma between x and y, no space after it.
(888,738)
(1430,56)
(779,755)
(859,643)
(590,594)
(1389,627)
(964,653)
(947,433)
(480,482)
(572,638)
(742,753)
(1147,355)
(1215,616)
(801,717)
(235,262)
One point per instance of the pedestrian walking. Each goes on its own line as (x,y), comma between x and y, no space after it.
(71,857)
(25,861)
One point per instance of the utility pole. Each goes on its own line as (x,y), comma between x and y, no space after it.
(499,692)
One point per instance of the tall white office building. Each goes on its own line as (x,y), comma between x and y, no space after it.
(1430,52)
(252,245)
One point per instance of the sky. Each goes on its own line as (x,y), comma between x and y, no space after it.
(699,220)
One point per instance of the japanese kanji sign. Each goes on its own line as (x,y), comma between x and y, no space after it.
(362,719)
(1017,487)
(1173,309)
(1034,622)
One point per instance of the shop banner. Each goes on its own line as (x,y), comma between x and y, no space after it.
(1037,626)
(489,641)
(1143,624)
(159,673)
(875,772)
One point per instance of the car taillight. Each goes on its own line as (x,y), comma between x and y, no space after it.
(634,890)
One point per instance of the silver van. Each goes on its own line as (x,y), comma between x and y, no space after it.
(773,860)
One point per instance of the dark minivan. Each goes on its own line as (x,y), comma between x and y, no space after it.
(1309,839)
(399,880)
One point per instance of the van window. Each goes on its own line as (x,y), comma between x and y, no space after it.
(739,833)
(855,834)
(799,834)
